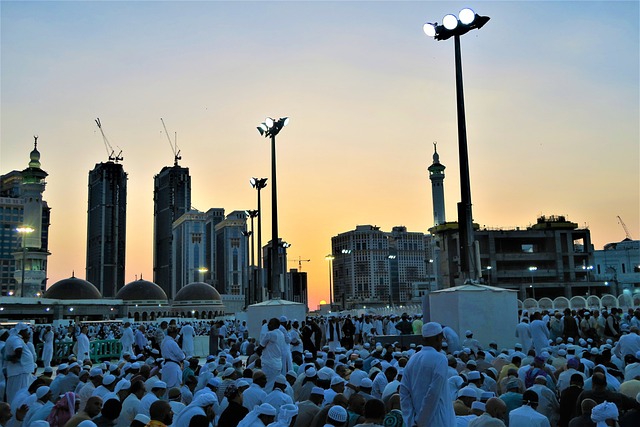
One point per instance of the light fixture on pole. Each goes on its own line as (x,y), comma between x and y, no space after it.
(453,26)
(330,258)
(533,287)
(252,214)
(202,271)
(23,231)
(270,129)
(259,184)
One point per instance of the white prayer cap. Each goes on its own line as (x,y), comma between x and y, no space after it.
(140,418)
(283,318)
(431,329)
(228,372)
(468,333)
(478,405)
(63,366)
(309,373)
(242,383)
(108,379)
(317,390)
(366,383)
(159,384)
(638,398)
(42,391)
(603,412)
(467,392)
(122,385)
(473,375)
(518,346)
(21,326)
(266,409)
(375,362)
(325,373)
(337,380)
(570,340)
(215,382)
(594,351)
(48,369)
(42,423)
(95,372)
(338,413)
(562,352)
(280,379)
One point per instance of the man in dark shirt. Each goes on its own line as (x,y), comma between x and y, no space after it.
(600,394)
(569,398)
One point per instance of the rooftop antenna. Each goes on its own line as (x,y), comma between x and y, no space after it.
(173,144)
(110,151)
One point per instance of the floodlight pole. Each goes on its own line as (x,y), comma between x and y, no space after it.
(275,265)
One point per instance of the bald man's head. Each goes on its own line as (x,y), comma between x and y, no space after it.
(496,408)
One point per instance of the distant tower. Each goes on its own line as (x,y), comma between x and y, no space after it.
(32,258)
(171,200)
(106,227)
(436,175)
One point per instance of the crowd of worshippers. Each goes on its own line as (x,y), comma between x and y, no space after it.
(275,380)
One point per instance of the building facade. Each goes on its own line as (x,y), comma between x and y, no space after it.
(616,268)
(232,254)
(542,260)
(106,227)
(23,255)
(372,267)
(189,248)
(171,200)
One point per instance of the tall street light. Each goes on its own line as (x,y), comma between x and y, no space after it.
(270,129)
(455,27)
(533,288)
(23,231)
(259,184)
(330,258)
(202,271)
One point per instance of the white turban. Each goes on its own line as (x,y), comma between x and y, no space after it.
(287,412)
(603,412)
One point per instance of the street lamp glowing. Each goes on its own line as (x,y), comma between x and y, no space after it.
(467,16)
(25,230)
(429,29)
(533,268)
(203,269)
(269,122)
(450,22)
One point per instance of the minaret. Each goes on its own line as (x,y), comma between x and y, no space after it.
(436,175)
(32,258)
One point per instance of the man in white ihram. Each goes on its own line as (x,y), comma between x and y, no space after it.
(20,364)
(47,348)
(187,332)
(424,390)
(173,357)
(83,345)
(127,339)
(273,342)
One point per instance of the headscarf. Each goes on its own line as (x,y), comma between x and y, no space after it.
(195,407)
(603,412)
(64,409)
(251,417)
(286,414)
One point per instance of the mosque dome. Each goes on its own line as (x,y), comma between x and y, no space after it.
(141,290)
(35,157)
(72,288)
(198,291)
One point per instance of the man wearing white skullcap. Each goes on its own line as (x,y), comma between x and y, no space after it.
(20,361)
(278,397)
(424,389)
(337,416)
(201,405)
(260,416)
(605,414)
(41,408)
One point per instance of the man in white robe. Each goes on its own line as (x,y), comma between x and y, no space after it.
(19,361)
(424,389)
(523,334)
(127,339)
(187,333)
(273,342)
(173,357)
(539,334)
(47,347)
(84,351)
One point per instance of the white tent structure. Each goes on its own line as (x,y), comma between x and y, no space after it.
(273,308)
(490,313)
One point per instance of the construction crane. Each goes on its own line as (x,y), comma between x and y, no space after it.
(299,261)
(110,151)
(624,226)
(173,144)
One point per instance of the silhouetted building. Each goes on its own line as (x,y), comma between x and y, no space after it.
(232,254)
(106,228)
(24,255)
(171,200)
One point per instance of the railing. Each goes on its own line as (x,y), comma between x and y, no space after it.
(98,349)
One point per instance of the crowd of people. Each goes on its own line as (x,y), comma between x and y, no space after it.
(567,369)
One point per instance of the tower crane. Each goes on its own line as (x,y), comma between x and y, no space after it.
(110,151)
(624,226)
(299,261)
(173,144)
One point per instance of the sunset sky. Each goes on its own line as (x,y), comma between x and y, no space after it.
(551,94)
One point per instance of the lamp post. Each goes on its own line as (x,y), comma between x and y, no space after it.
(252,214)
(259,184)
(23,231)
(453,26)
(202,270)
(533,288)
(330,258)
(588,269)
(270,129)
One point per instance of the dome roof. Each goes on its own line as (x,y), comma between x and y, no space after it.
(141,290)
(72,288)
(198,291)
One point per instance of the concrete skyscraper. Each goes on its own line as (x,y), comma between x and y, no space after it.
(106,227)
(436,175)
(171,199)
